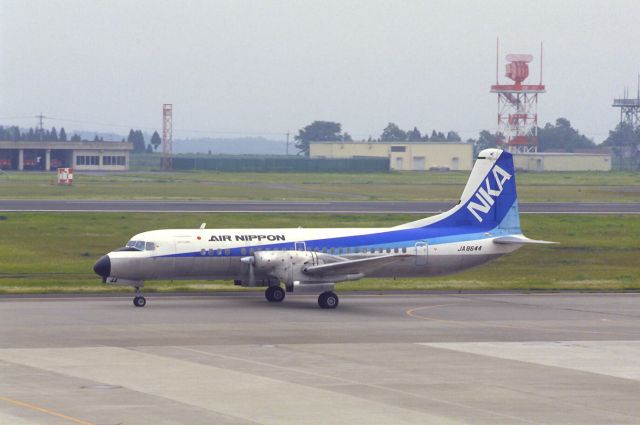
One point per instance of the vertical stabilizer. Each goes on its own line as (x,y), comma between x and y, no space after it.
(489,199)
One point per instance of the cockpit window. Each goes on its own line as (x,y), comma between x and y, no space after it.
(150,246)
(139,245)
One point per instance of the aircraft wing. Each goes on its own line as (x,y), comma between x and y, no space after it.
(518,240)
(363,265)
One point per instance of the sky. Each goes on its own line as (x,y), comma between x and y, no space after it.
(268,67)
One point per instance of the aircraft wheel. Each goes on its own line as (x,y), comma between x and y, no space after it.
(139,301)
(328,300)
(274,294)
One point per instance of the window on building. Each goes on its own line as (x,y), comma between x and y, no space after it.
(87,160)
(398,148)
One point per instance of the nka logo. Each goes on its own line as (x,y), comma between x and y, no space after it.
(487,194)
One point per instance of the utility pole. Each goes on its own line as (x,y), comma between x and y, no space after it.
(40,125)
(287,143)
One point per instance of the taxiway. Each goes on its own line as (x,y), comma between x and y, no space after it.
(410,358)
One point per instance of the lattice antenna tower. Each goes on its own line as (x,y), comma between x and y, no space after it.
(167,136)
(518,104)
(629,107)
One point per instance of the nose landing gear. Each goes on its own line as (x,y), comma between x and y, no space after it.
(139,300)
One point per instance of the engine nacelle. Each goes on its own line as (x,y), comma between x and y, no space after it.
(289,266)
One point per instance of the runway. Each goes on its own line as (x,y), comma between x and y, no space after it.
(387,207)
(397,358)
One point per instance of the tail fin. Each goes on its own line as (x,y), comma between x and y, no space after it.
(489,199)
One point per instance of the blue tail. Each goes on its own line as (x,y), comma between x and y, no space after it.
(489,200)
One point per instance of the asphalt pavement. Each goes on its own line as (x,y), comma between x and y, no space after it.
(388,358)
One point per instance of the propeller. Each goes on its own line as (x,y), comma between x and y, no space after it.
(251,262)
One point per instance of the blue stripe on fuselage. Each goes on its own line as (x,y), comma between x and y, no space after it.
(399,238)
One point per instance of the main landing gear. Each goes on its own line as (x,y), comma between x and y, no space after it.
(328,300)
(139,300)
(274,294)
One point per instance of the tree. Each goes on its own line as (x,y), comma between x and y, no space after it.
(53,135)
(452,136)
(346,137)
(414,135)
(63,135)
(155,140)
(137,139)
(393,133)
(485,140)
(317,131)
(149,148)
(624,135)
(563,137)
(76,138)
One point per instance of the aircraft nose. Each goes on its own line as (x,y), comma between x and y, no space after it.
(102,267)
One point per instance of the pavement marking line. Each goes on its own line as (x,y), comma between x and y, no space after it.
(618,359)
(234,393)
(45,410)
(354,382)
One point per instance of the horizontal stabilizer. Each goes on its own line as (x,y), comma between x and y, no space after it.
(363,265)
(518,240)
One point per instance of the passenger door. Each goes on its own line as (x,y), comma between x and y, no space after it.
(422,253)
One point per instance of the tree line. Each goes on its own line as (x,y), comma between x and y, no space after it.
(624,140)
(328,131)
(14,133)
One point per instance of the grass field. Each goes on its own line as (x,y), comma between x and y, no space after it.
(45,252)
(395,186)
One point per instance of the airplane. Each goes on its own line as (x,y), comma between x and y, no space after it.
(484,225)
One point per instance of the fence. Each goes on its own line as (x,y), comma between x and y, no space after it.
(282,164)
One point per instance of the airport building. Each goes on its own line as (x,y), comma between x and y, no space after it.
(562,161)
(83,156)
(403,156)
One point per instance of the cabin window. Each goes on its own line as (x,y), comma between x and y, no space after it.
(219,252)
(357,249)
(203,252)
(373,250)
(227,252)
(333,250)
(404,249)
(395,250)
(211,251)
(324,250)
(150,246)
(380,250)
(388,250)
(243,251)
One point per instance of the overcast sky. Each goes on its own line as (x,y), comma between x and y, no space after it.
(271,66)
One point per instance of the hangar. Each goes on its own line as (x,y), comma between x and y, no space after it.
(83,155)
(403,156)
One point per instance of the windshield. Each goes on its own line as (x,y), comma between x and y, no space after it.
(136,244)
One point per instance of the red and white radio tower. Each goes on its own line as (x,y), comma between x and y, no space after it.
(167,136)
(518,105)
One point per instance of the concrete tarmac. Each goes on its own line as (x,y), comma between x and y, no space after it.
(378,359)
(388,207)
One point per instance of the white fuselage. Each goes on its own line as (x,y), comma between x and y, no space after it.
(217,253)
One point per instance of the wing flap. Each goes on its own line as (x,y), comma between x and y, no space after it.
(362,265)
